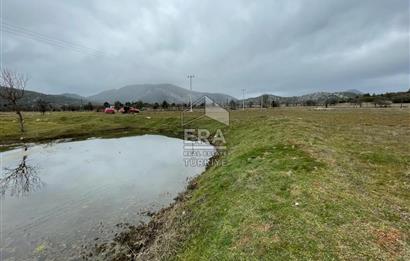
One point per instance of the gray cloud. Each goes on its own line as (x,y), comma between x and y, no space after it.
(280,47)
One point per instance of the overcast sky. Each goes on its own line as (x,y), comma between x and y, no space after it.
(281,47)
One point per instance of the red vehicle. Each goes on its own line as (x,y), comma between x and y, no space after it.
(133,110)
(129,110)
(109,110)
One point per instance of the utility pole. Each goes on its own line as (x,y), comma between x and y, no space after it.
(243,99)
(190,87)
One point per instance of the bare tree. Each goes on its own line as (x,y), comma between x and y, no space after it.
(21,180)
(12,85)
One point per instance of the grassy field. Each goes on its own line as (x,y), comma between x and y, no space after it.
(77,125)
(297,183)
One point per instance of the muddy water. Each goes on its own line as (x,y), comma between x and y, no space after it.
(57,198)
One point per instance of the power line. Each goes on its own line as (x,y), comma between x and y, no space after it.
(29,32)
(25,33)
(41,40)
(49,42)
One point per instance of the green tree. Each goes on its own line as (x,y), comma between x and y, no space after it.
(89,106)
(118,105)
(139,104)
(310,103)
(43,106)
(106,105)
(165,105)
(232,105)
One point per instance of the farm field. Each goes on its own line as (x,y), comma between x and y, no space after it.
(296,184)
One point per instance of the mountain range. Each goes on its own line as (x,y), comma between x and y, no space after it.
(173,94)
(152,93)
(31,98)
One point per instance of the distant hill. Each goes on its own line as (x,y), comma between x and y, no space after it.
(354,91)
(152,93)
(30,99)
(73,95)
(318,97)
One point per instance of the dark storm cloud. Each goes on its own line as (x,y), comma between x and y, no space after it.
(281,47)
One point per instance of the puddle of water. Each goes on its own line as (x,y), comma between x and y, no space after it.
(58,197)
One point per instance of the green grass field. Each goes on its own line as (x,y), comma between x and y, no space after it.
(297,183)
(77,125)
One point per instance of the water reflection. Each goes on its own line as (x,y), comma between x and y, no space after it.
(20,181)
(92,185)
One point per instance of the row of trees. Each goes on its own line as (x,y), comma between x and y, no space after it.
(395,97)
(141,105)
(266,103)
(44,106)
